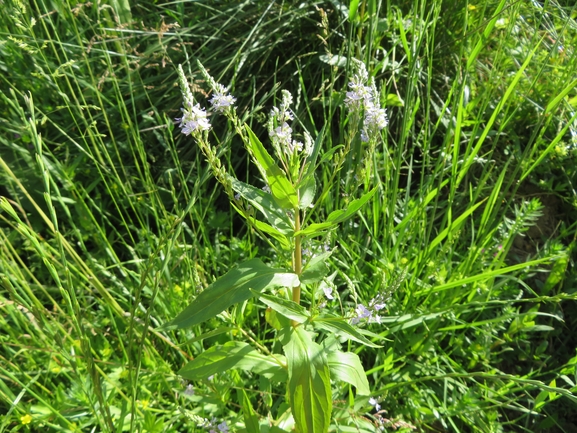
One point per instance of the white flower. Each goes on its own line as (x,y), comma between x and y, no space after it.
(363,312)
(221,100)
(328,292)
(373,402)
(366,97)
(193,119)
(376,118)
(282,138)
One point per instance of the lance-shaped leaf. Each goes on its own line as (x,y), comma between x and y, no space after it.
(287,308)
(316,269)
(264,202)
(308,383)
(307,185)
(233,287)
(250,416)
(281,188)
(265,228)
(336,217)
(346,366)
(237,355)
(338,326)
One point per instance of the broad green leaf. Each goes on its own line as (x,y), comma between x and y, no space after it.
(281,188)
(308,382)
(346,366)
(265,203)
(250,417)
(237,355)
(276,320)
(287,308)
(339,326)
(337,216)
(316,269)
(233,287)
(307,192)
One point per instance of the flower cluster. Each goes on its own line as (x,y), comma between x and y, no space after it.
(213,427)
(221,100)
(280,131)
(366,97)
(374,402)
(369,313)
(193,117)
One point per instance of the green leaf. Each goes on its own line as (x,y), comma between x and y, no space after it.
(213,333)
(233,287)
(276,320)
(353,6)
(284,242)
(281,188)
(287,308)
(237,355)
(308,382)
(316,269)
(307,186)
(337,216)
(347,367)
(250,417)
(307,192)
(338,326)
(393,100)
(265,203)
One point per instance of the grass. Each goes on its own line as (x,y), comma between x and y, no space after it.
(111,221)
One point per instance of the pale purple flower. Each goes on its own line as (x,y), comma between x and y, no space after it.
(281,136)
(363,312)
(221,100)
(223,427)
(193,119)
(366,97)
(328,292)
(373,402)
(189,390)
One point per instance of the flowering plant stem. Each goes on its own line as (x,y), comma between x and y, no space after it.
(307,366)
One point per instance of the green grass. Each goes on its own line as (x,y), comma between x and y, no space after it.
(111,221)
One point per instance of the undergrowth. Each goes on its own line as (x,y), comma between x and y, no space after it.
(111,221)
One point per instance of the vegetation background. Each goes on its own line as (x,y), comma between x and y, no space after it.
(472,236)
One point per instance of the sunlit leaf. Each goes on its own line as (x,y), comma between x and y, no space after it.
(309,383)
(287,308)
(346,366)
(234,355)
(233,287)
(281,188)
